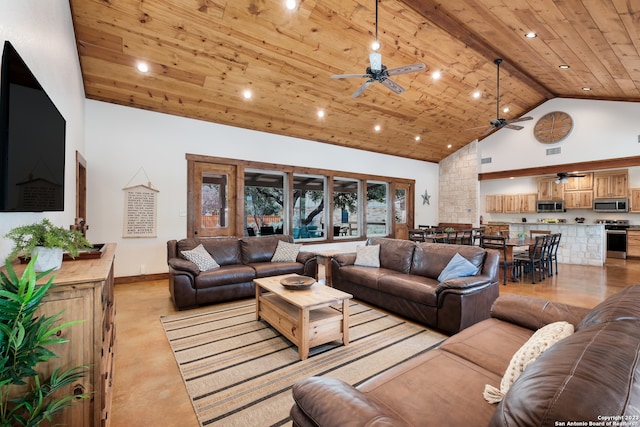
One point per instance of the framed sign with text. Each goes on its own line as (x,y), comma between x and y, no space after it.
(140,211)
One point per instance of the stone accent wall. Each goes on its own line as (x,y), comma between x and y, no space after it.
(459,186)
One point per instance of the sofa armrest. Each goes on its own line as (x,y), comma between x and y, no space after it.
(534,313)
(331,402)
(462,283)
(303,257)
(183,265)
(348,258)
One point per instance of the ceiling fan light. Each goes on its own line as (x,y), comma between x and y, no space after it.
(557,181)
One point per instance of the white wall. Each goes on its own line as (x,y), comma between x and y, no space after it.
(121,140)
(601,130)
(42,33)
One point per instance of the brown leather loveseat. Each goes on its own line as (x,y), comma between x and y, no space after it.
(241,260)
(590,377)
(407,283)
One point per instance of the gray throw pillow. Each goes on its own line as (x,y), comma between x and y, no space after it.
(286,252)
(368,256)
(200,257)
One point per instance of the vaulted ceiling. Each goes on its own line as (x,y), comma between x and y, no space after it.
(203,54)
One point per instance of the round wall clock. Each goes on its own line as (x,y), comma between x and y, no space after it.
(553,127)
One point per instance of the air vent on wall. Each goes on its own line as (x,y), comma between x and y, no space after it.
(485,160)
(552,151)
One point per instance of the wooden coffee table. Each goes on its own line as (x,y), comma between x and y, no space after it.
(306,317)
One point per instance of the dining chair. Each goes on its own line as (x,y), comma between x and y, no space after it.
(551,256)
(477,233)
(534,260)
(498,243)
(465,237)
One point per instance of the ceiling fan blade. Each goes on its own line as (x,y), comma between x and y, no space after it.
(350,76)
(488,131)
(375,60)
(521,119)
(406,69)
(362,88)
(514,127)
(395,87)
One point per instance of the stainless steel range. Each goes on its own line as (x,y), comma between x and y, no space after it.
(616,230)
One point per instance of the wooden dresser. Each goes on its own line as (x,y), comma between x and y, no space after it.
(84,291)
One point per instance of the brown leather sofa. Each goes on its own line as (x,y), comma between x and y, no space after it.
(241,260)
(406,282)
(588,378)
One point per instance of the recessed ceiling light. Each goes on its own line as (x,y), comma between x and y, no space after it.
(377,128)
(375,45)
(320,114)
(476,94)
(564,66)
(449,146)
(531,35)
(291,4)
(505,110)
(586,88)
(436,75)
(246,94)
(417,138)
(143,67)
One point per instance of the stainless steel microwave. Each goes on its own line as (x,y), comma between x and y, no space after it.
(611,205)
(545,206)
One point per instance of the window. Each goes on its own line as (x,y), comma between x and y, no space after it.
(264,202)
(229,197)
(346,207)
(377,208)
(308,207)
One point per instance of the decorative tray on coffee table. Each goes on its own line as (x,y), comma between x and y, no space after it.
(297,282)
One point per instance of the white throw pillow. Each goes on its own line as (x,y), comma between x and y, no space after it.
(286,252)
(459,266)
(200,257)
(368,256)
(540,341)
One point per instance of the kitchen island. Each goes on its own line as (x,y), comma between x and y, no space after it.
(584,244)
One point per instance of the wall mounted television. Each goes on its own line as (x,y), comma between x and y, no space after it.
(32,141)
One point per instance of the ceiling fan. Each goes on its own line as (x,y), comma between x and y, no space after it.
(499,122)
(563,177)
(378,72)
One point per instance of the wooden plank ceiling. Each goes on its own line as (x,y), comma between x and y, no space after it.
(203,54)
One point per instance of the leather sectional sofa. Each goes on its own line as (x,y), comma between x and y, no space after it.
(407,283)
(241,260)
(591,377)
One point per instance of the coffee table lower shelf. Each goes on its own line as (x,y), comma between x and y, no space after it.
(304,327)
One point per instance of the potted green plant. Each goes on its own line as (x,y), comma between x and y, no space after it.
(521,236)
(48,241)
(26,397)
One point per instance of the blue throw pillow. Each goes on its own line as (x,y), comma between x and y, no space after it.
(459,266)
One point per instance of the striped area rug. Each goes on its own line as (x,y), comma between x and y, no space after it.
(239,371)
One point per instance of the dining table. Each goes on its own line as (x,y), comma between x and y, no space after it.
(513,243)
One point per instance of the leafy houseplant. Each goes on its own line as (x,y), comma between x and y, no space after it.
(44,234)
(24,338)
(521,236)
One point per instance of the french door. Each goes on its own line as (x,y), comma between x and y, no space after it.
(211,204)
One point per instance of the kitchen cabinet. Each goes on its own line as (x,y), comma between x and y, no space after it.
(511,203)
(578,199)
(633,243)
(634,195)
(578,183)
(528,203)
(84,291)
(549,190)
(611,184)
(494,203)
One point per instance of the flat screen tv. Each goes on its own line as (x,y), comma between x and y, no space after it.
(32,141)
